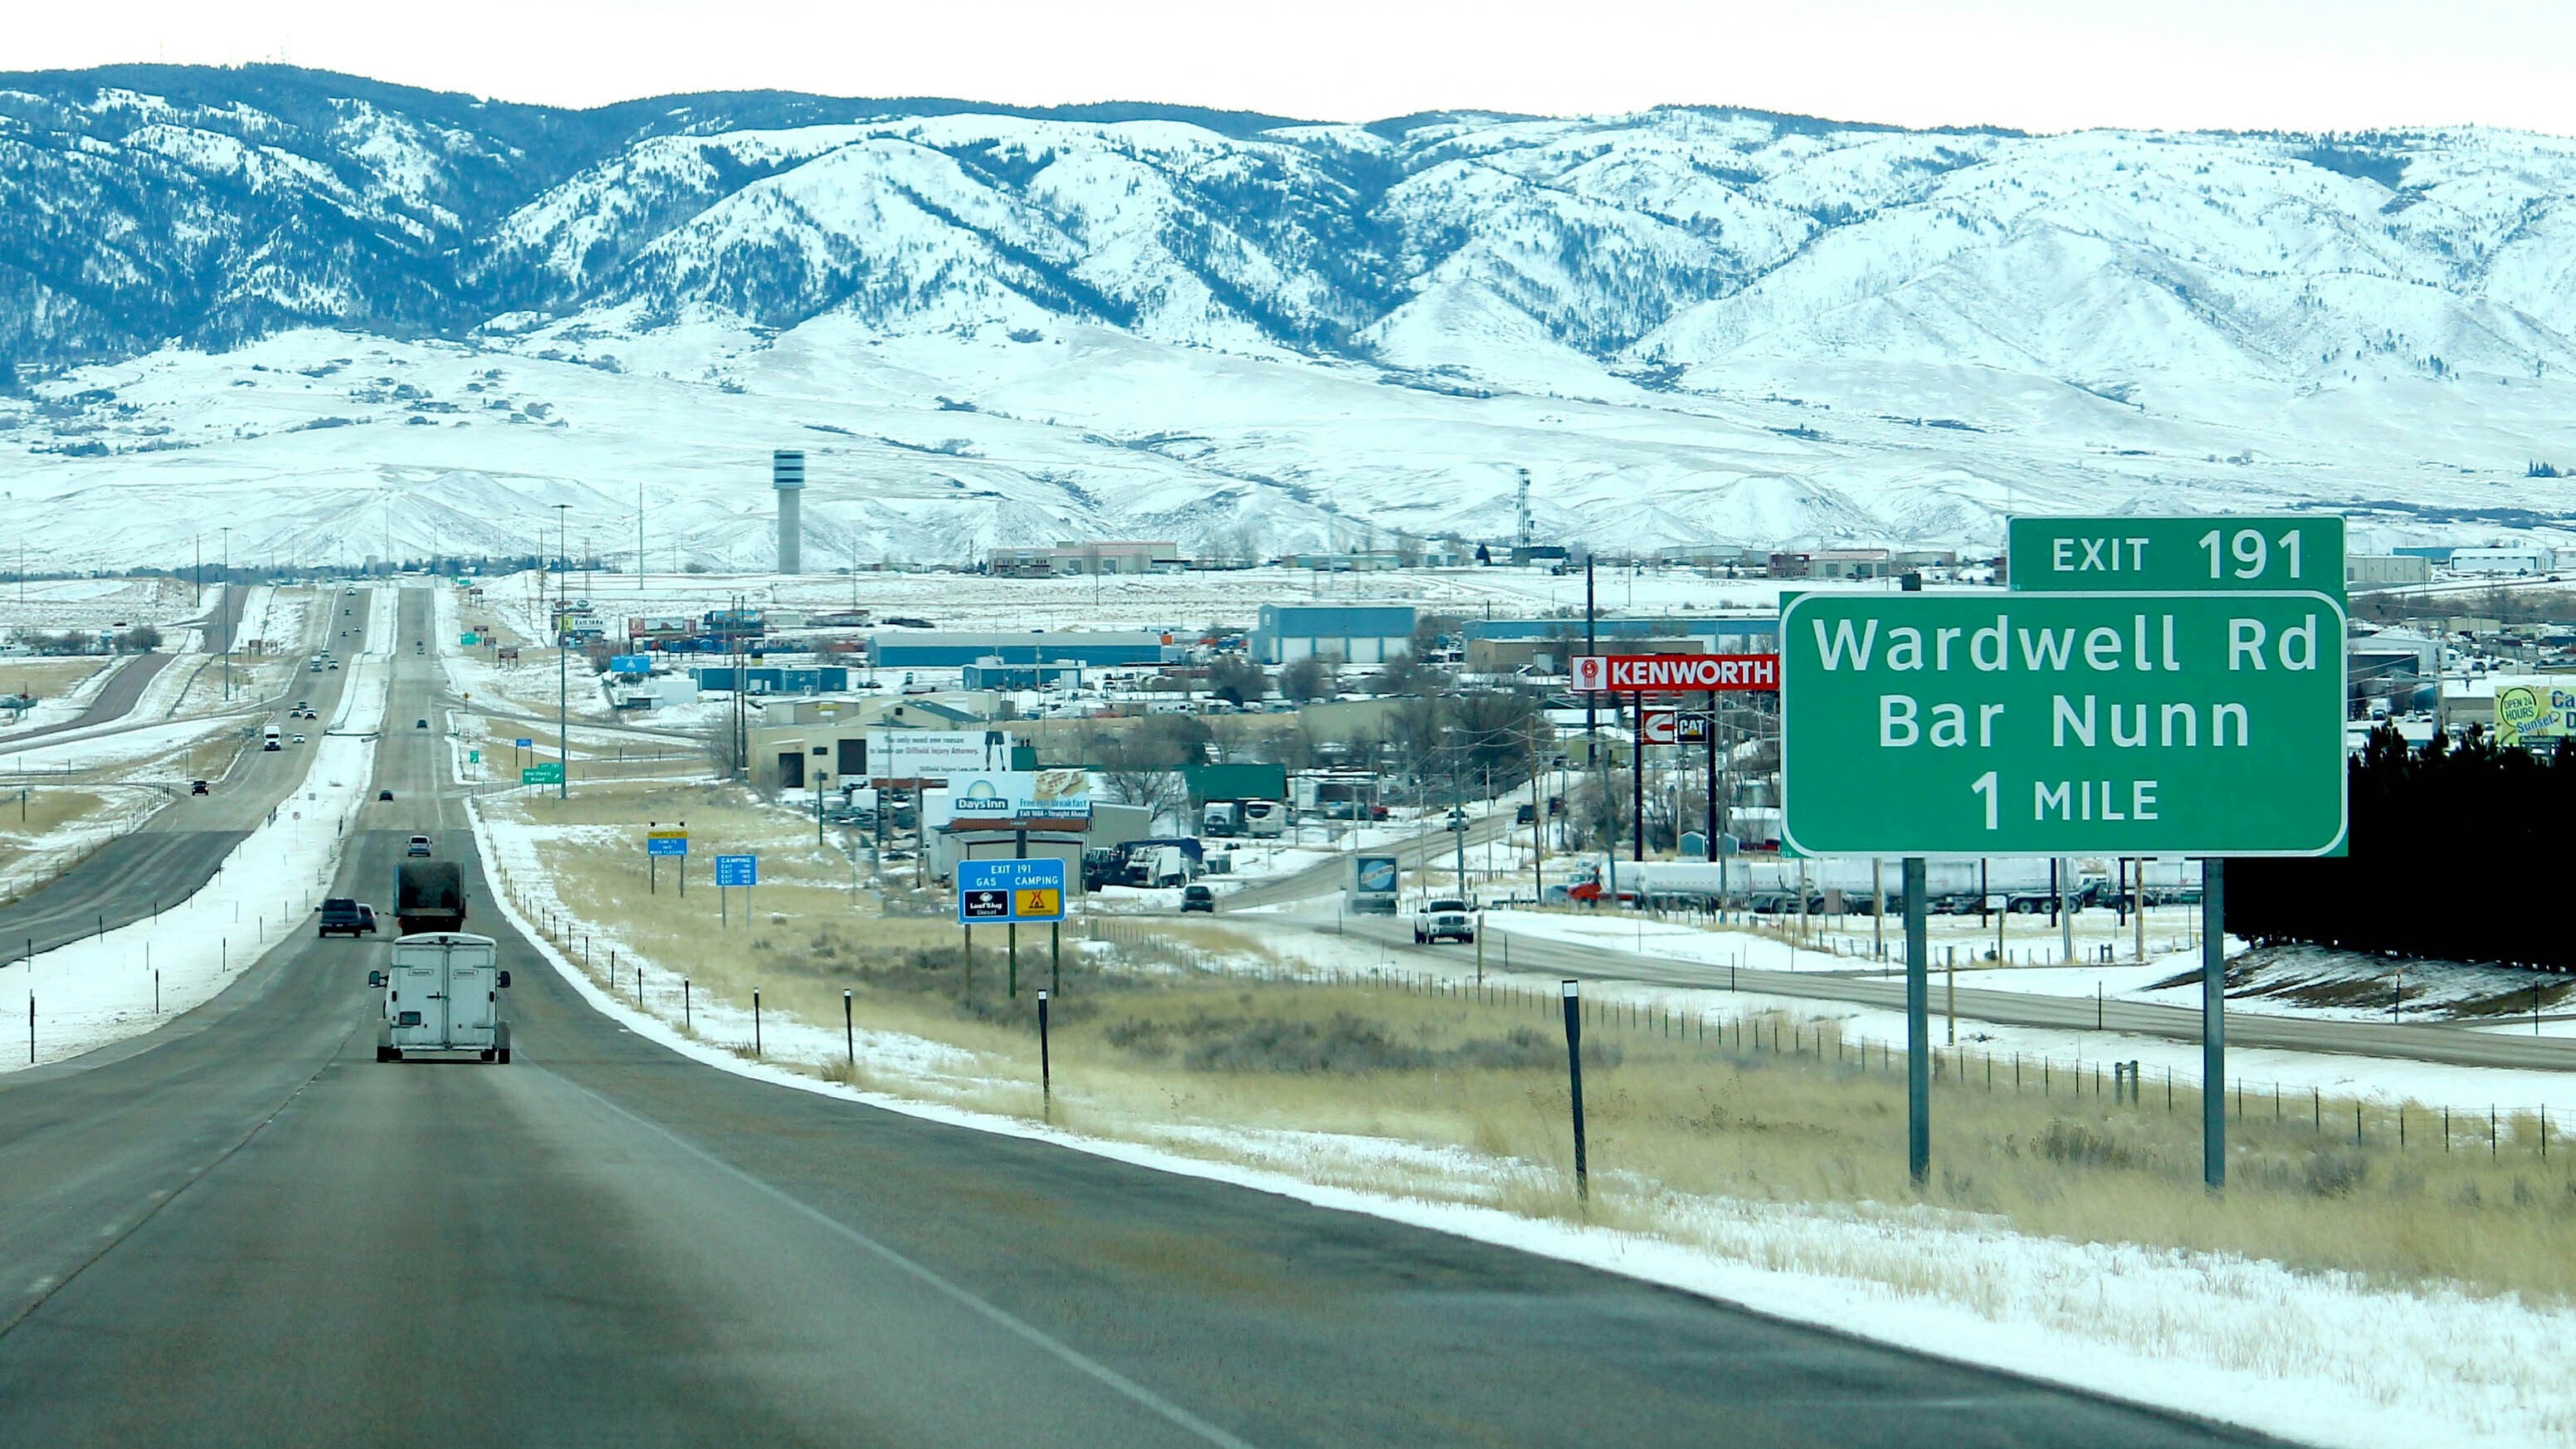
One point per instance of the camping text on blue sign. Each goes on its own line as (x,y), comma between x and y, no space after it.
(1001,892)
(737,870)
(666,842)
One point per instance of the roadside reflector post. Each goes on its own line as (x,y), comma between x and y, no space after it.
(1055,963)
(1011,934)
(849,1030)
(755,1021)
(1574,1080)
(1046,1067)
(685,1018)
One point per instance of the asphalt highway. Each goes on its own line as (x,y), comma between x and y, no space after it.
(179,848)
(244,1231)
(2448,1043)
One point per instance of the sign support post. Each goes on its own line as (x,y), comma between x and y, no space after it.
(2213,1023)
(1918,1005)
(1918,1028)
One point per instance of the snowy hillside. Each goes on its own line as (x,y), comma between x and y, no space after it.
(344,319)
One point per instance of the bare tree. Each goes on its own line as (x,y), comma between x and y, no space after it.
(1160,792)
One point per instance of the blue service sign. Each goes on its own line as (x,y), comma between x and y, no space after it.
(1003,891)
(524,744)
(631,663)
(737,870)
(666,844)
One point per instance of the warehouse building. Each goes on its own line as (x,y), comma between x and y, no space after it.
(1352,633)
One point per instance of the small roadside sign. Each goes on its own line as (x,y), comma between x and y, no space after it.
(1660,727)
(524,744)
(2215,553)
(469,640)
(737,870)
(1009,891)
(473,757)
(666,842)
(1692,729)
(547,774)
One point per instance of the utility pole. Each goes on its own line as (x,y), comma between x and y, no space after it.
(639,537)
(223,596)
(563,664)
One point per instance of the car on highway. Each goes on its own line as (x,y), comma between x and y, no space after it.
(335,666)
(342,916)
(417,845)
(420,724)
(299,739)
(1446,919)
(196,787)
(1198,898)
(384,794)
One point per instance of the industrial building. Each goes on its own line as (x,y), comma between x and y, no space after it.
(1352,633)
(2385,570)
(946,649)
(2503,561)
(776,679)
(1495,646)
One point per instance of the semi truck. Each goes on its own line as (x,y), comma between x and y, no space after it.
(443,1000)
(429,896)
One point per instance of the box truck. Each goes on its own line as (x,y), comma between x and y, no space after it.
(443,1000)
(429,896)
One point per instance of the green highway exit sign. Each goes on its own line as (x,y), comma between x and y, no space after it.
(2217,552)
(550,774)
(1982,724)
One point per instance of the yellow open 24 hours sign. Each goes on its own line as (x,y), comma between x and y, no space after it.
(2534,712)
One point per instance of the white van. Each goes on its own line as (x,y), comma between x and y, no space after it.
(443,1000)
(1264,819)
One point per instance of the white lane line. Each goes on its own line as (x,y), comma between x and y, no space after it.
(1065,1353)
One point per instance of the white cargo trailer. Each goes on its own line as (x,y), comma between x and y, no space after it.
(443,1000)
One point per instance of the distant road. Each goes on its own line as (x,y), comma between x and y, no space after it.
(241,1229)
(116,699)
(2449,1044)
(172,854)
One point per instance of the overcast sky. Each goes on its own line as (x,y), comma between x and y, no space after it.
(2034,64)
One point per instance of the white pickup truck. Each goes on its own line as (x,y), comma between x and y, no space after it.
(443,1000)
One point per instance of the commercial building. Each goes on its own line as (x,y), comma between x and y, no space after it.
(941,649)
(1497,645)
(1352,633)
(824,742)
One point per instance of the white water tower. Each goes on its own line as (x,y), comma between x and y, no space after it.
(787,475)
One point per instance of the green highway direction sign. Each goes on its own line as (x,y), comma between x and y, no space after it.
(1978,724)
(2209,554)
(541,774)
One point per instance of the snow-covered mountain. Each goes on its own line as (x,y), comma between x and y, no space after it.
(321,300)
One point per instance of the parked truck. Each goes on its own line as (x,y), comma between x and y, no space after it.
(443,1000)
(429,896)
(1264,819)
(1222,818)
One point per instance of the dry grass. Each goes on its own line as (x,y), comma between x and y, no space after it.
(49,678)
(1150,1044)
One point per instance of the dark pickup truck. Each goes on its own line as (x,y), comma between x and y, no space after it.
(344,917)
